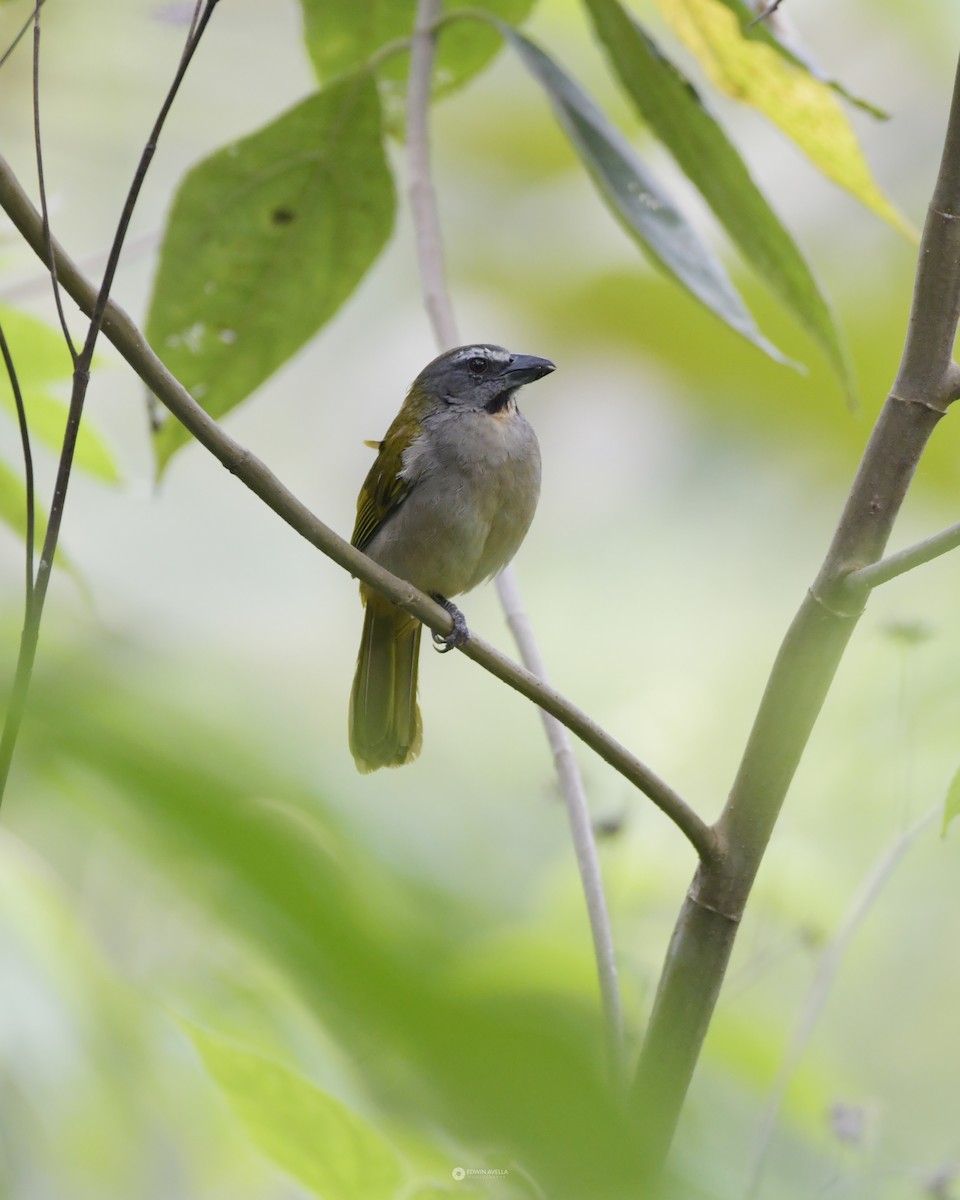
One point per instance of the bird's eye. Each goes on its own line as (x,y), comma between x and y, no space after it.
(477,366)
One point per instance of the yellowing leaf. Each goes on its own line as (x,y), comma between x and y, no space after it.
(803,107)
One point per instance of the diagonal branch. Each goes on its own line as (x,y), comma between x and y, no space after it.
(254,474)
(905,560)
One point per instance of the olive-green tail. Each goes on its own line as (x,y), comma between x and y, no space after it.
(385,729)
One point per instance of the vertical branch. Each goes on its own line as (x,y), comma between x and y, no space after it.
(581,829)
(81,379)
(927,382)
(30,528)
(423,200)
(440,310)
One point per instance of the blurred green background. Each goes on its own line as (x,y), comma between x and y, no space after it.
(186,845)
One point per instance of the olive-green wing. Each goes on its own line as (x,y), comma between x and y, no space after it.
(383,490)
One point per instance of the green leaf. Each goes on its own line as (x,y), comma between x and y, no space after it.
(267,239)
(675,113)
(804,108)
(637,199)
(13,502)
(47,417)
(41,357)
(308,1133)
(342,35)
(373,954)
(40,353)
(951,807)
(13,513)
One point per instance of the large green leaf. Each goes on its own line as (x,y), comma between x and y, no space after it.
(267,239)
(637,198)
(41,358)
(304,1130)
(805,108)
(674,111)
(342,35)
(511,1073)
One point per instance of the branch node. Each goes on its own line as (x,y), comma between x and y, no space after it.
(937,406)
(733,917)
(832,608)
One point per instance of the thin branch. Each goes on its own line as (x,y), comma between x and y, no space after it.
(766,13)
(38,149)
(905,560)
(81,379)
(423,201)
(131,344)
(581,827)
(19,36)
(430,258)
(27,470)
(830,961)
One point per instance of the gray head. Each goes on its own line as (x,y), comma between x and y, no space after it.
(479,376)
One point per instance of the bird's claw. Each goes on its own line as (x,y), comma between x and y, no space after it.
(458,635)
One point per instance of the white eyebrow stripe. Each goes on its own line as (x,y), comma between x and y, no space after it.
(499,356)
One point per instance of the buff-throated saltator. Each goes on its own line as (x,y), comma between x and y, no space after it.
(445,506)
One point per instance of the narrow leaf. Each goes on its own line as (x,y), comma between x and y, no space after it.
(266,240)
(675,113)
(804,108)
(308,1133)
(951,807)
(637,199)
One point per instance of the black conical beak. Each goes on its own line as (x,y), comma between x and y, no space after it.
(526,368)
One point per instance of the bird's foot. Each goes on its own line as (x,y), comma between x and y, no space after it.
(458,635)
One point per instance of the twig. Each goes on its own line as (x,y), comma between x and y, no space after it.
(81,379)
(27,469)
(581,827)
(423,202)
(38,150)
(119,329)
(426,221)
(816,997)
(767,12)
(905,560)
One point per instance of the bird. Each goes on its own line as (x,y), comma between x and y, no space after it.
(445,506)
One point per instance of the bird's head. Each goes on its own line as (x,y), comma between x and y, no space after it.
(478,377)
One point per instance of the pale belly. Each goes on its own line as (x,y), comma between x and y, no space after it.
(465,517)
